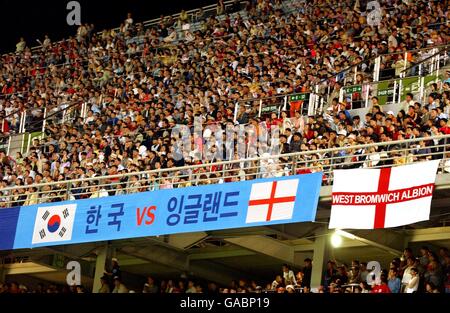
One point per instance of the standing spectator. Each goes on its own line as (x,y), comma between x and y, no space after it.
(407,271)
(4,124)
(382,287)
(150,286)
(433,271)
(342,276)
(354,274)
(115,271)
(394,281)
(330,274)
(364,272)
(307,272)
(220,9)
(119,287)
(413,284)
(128,21)
(105,286)
(21,45)
(191,287)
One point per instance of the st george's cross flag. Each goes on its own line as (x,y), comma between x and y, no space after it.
(384,197)
(272,201)
(54,223)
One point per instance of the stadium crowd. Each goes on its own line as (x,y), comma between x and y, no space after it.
(140,82)
(427,273)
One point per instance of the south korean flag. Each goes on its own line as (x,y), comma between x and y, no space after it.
(54,223)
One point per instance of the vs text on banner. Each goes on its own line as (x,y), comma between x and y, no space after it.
(169,211)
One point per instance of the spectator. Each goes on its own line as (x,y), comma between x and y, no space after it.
(277,282)
(329,274)
(104,285)
(20,47)
(307,272)
(150,286)
(220,7)
(431,288)
(191,287)
(115,271)
(382,287)
(394,282)
(413,284)
(118,286)
(288,275)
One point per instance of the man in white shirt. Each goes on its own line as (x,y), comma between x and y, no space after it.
(129,20)
(288,275)
(392,40)
(407,272)
(409,100)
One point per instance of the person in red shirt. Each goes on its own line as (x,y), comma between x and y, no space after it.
(382,287)
(4,125)
(273,120)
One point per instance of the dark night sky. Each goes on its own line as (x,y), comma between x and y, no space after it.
(34,19)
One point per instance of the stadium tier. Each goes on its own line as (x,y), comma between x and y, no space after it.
(211,144)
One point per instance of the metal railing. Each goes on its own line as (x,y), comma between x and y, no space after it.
(373,155)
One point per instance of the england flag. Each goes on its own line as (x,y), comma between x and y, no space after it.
(54,223)
(383,197)
(272,201)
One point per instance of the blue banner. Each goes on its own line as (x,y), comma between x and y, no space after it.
(210,207)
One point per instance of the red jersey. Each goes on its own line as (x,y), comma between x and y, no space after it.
(381,289)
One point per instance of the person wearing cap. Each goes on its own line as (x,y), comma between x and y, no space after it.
(290,289)
(390,114)
(115,271)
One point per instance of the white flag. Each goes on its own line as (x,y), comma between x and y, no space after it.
(382,198)
(272,201)
(54,223)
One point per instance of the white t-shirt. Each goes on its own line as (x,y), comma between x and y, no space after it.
(407,275)
(289,278)
(413,285)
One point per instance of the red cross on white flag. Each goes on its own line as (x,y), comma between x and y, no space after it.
(272,201)
(381,198)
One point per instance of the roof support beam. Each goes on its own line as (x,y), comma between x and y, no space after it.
(429,234)
(265,245)
(180,261)
(348,235)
